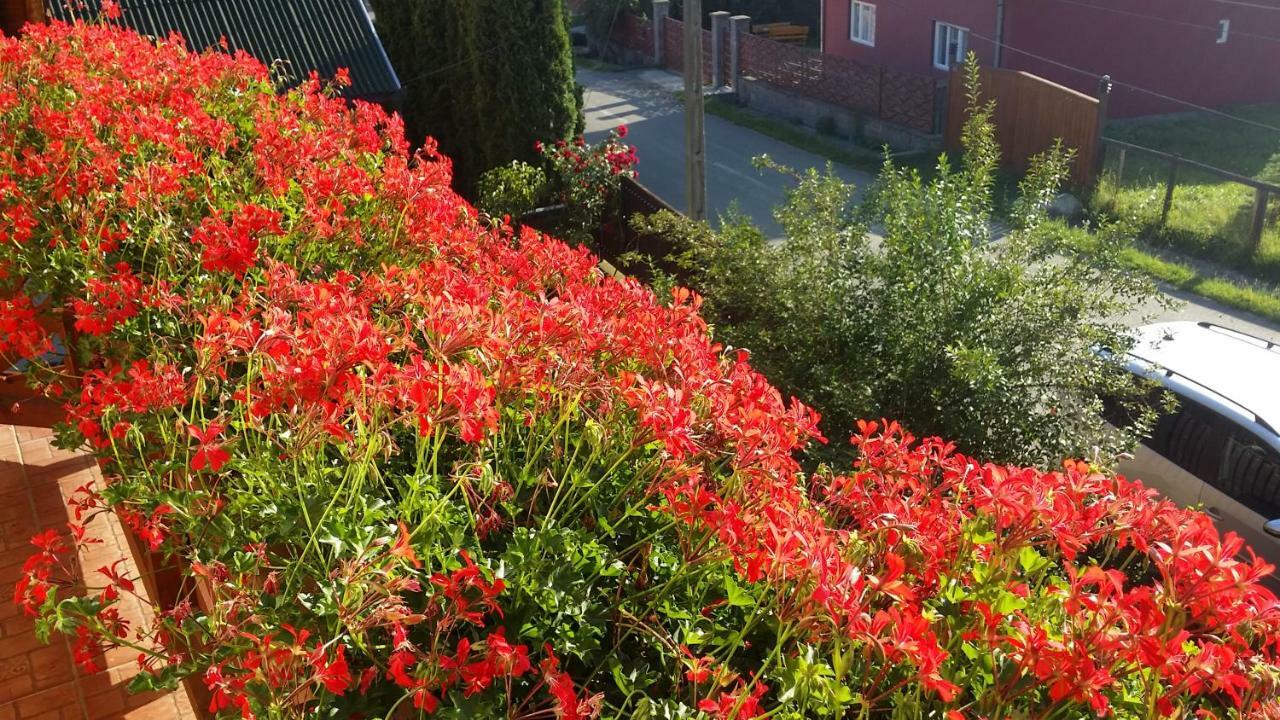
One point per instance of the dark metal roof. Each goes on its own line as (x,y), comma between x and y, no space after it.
(319,35)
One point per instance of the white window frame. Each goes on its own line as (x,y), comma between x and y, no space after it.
(945,35)
(862,22)
(1224,31)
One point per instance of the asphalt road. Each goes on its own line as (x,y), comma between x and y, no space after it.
(645,101)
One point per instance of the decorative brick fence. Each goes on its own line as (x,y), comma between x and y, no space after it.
(634,34)
(875,90)
(905,99)
(673,42)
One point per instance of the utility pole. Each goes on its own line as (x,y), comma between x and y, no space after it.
(695,137)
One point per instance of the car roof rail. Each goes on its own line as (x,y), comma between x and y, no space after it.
(1270,345)
(1167,372)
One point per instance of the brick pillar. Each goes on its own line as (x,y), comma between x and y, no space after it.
(661,8)
(739,25)
(719,23)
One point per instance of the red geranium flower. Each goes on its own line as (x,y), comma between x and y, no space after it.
(334,674)
(209,453)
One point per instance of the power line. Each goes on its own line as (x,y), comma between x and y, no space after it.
(1131,86)
(1130,13)
(1182,23)
(472,58)
(1248,4)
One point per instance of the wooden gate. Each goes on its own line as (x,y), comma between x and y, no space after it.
(1031,113)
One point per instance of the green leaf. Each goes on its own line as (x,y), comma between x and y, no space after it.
(1008,603)
(1030,560)
(736,596)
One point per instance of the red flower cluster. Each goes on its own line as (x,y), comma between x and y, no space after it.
(21,335)
(233,246)
(348,333)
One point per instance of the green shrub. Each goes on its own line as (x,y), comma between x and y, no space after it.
(511,190)
(580,186)
(989,344)
(601,16)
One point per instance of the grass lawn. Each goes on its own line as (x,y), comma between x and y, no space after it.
(1257,298)
(1210,217)
(589,63)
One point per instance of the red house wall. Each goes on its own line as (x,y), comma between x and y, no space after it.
(1177,55)
(1166,46)
(904,31)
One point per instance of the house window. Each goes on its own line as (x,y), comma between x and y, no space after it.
(1224,30)
(949,45)
(862,23)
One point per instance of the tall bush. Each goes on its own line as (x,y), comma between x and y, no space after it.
(995,345)
(487,78)
(602,17)
(410,463)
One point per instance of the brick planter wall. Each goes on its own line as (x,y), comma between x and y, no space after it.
(37,681)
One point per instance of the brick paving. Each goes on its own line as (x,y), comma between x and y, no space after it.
(37,681)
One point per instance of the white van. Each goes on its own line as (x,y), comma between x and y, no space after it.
(1220,449)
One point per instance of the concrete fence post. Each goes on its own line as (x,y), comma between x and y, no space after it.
(661,8)
(719,24)
(739,25)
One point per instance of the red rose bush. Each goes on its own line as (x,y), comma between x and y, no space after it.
(408,462)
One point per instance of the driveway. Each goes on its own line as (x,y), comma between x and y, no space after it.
(645,101)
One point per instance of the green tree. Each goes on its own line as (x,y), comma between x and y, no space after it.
(486,78)
(992,344)
(417,43)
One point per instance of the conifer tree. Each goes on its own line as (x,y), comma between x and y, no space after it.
(486,78)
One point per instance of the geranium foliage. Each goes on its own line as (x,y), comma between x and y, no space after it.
(408,462)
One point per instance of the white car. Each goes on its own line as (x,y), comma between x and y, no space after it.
(1220,449)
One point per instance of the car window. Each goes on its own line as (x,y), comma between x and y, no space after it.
(1251,474)
(1193,438)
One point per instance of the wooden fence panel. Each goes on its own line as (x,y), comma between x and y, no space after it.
(1031,113)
